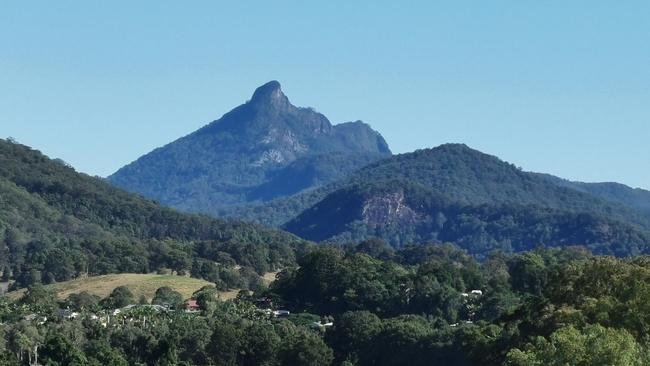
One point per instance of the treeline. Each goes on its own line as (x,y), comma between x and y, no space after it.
(56,224)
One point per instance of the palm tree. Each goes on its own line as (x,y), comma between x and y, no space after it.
(24,338)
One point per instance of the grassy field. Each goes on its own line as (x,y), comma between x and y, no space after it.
(139,284)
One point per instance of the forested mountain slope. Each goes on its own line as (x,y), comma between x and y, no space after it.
(635,198)
(457,194)
(56,224)
(404,213)
(467,177)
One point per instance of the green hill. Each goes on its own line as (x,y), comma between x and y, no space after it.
(457,194)
(56,224)
(403,213)
(636,198)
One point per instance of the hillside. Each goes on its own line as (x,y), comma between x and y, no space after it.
(56,224)
(457,194)
(261,150)
(467,177)
(470,177)
(636,198)
(403,213)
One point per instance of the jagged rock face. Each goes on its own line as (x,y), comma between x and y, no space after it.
(231,160)
(388,209)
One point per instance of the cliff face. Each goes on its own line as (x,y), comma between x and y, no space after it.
(388,209)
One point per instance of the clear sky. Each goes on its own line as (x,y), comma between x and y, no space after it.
(561,87)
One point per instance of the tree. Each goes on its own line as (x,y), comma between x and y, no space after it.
(39,299)
(206,298)
(528,273)
(306,348)
(24,339)
(225,343)
(143,300)
(60,351)
(376,248)
(100,353)
(120,297)
(83,301)
(353,334)
(400,339)
(6,274)
(260,346)
(168,297)
(3,341)
(593,346)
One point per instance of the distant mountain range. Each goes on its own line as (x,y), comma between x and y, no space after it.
(271,162)
(261,150)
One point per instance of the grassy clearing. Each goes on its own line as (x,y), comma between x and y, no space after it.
(139,284)
(269,277)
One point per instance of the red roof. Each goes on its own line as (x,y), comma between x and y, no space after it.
(191,304)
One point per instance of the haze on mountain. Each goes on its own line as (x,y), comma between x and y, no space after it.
(261,150)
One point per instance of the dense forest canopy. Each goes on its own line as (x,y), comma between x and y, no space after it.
(363,304)
(403,213)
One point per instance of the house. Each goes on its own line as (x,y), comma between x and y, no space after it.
(192,306)
(128,308)
(473,293)
(67,314)
(157,308)
(39,320)
(321,325)
(281,313)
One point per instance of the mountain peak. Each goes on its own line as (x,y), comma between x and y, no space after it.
(260,150)
(270,94)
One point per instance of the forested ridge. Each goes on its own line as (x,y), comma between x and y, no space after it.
(404,213)
(56,224)
(467,177)
(453,193)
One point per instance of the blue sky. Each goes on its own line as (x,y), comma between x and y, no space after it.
(552,86)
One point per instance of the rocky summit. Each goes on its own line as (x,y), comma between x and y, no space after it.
(263,149)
